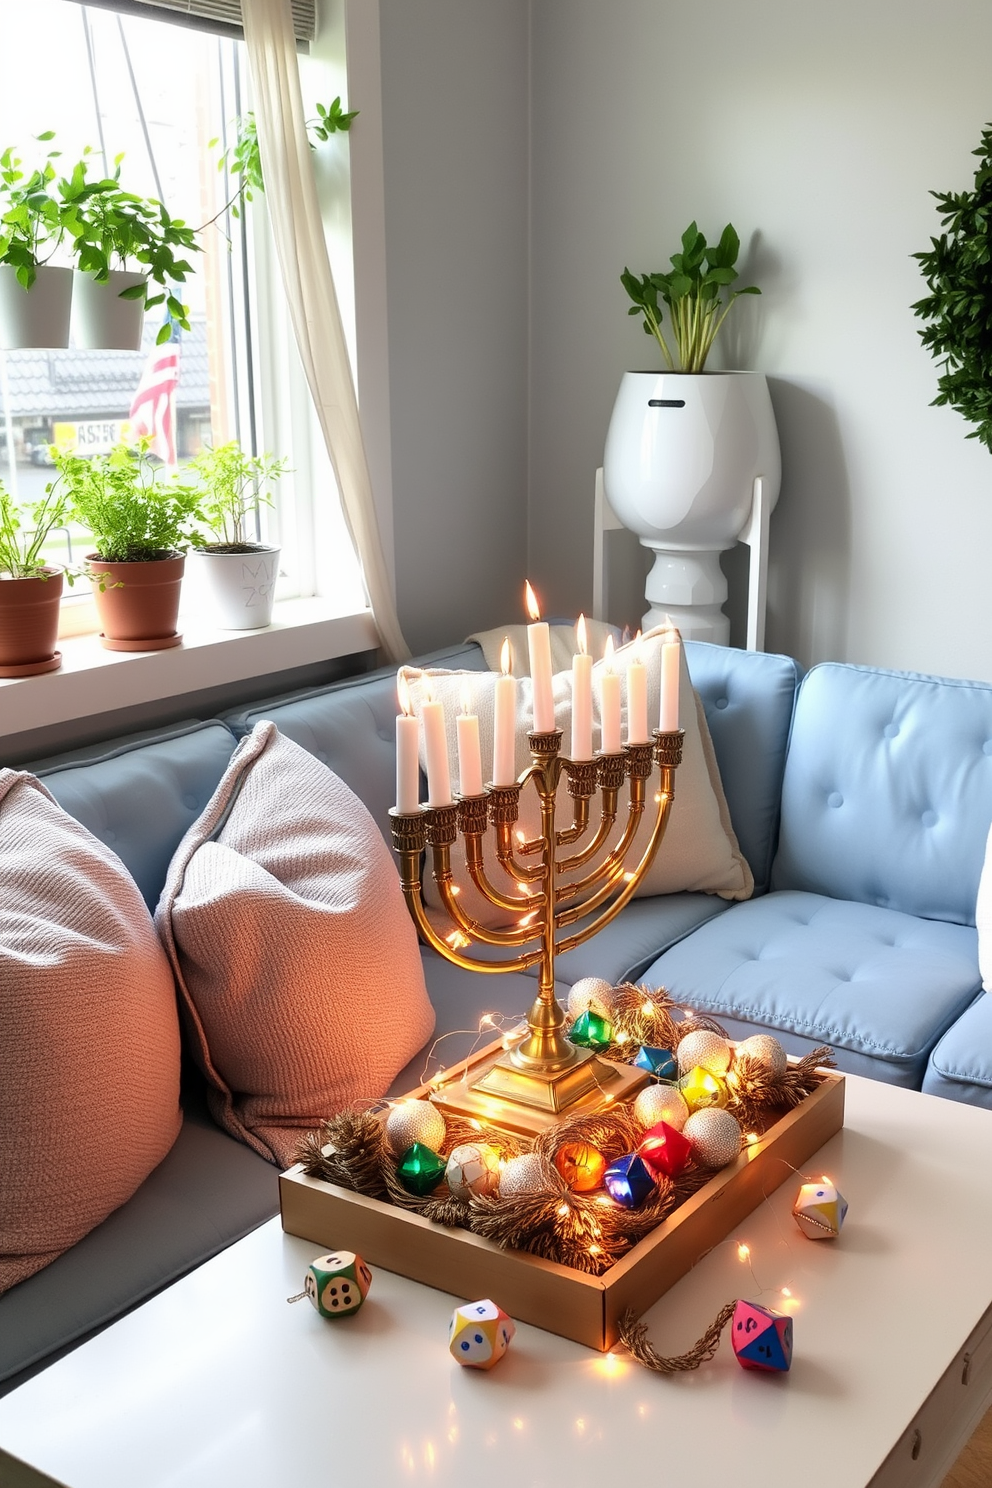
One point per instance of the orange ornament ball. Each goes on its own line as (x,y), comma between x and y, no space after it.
(581,1166)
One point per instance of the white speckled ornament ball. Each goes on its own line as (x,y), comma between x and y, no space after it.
(591,995)
(767,1051)
(527,1174)
(661,1103)
(414,1121)
(704,1049)
(714,1136)
(473,1168)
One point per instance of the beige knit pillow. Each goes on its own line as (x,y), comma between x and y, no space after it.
(284,920)
(89,1037)
(699,851)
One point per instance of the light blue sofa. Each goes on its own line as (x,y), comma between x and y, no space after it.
(861,799)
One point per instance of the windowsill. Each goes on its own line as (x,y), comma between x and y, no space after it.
(92,680)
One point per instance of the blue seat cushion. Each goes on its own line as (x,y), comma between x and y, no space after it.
(960,1066)
(878,986)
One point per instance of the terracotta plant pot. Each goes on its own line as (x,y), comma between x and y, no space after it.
(29,624)
(139,604)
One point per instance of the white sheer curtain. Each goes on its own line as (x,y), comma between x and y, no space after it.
(291,197)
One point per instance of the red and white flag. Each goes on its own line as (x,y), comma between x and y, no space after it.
(153,409)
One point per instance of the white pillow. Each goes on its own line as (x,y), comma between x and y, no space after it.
(699,852)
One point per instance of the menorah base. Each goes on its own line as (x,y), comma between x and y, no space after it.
(529,1102)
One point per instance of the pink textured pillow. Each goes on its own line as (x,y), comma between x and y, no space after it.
(285,923)
(89,1034)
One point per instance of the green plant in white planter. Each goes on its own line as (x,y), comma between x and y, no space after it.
(691,291)
(142,525)
(690,454)
(35,296)
(30,587)
(240,573)
(130,254)
(244,161)
(958,309)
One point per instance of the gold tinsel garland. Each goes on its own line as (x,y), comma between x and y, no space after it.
(587,1231)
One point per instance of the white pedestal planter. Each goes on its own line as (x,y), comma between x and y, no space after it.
(241,586)
(38,316)
(101,320)
(682,453)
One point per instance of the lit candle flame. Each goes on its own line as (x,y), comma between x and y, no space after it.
(403,693)
(743,1252)
(580,635)
(608,654)
(530,599)
(506,657)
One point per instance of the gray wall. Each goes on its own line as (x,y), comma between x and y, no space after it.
(454,121)
(818,132)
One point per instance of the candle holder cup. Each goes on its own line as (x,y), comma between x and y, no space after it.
(541,1076)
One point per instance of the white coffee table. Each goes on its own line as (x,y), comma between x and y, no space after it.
(219,1382)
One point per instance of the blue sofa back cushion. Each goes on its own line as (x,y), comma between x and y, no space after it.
(351,727)
(141,796)
(748,698)
(887,793)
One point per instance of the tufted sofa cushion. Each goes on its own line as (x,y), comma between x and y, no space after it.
(960,1066)
(142,795)
(879,986)
(351,728)
(887,792)
(748,697)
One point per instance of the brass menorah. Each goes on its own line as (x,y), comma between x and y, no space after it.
(542,1074)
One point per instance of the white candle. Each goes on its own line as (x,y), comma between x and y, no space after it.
(407,753)
(505,721)
(469,751)
(637,697)
(609,703)
(671,662)
(539,650)
(581,743)
(436,742)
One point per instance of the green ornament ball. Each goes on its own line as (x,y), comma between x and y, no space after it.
(420,1169)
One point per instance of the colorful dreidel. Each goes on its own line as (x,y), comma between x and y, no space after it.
(700,1089)
(337,1284)
(590,1031)
(665,1150)
(762,1338)
(658,1062)
(819,1210)
(479,1334)
(581,1166)
(420,1169)
(629,1180)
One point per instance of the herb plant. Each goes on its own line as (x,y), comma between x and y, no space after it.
(691,292)
(958,309)
(232,485)
(133,514)
(30,213)
(243,159)
(22,544)
(113,229)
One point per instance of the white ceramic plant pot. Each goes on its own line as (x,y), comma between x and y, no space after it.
(38,316)
(101,320)
(682,453)
(241,586)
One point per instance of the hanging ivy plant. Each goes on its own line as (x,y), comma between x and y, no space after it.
(958,309)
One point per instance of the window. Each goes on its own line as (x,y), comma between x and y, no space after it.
(159,93)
